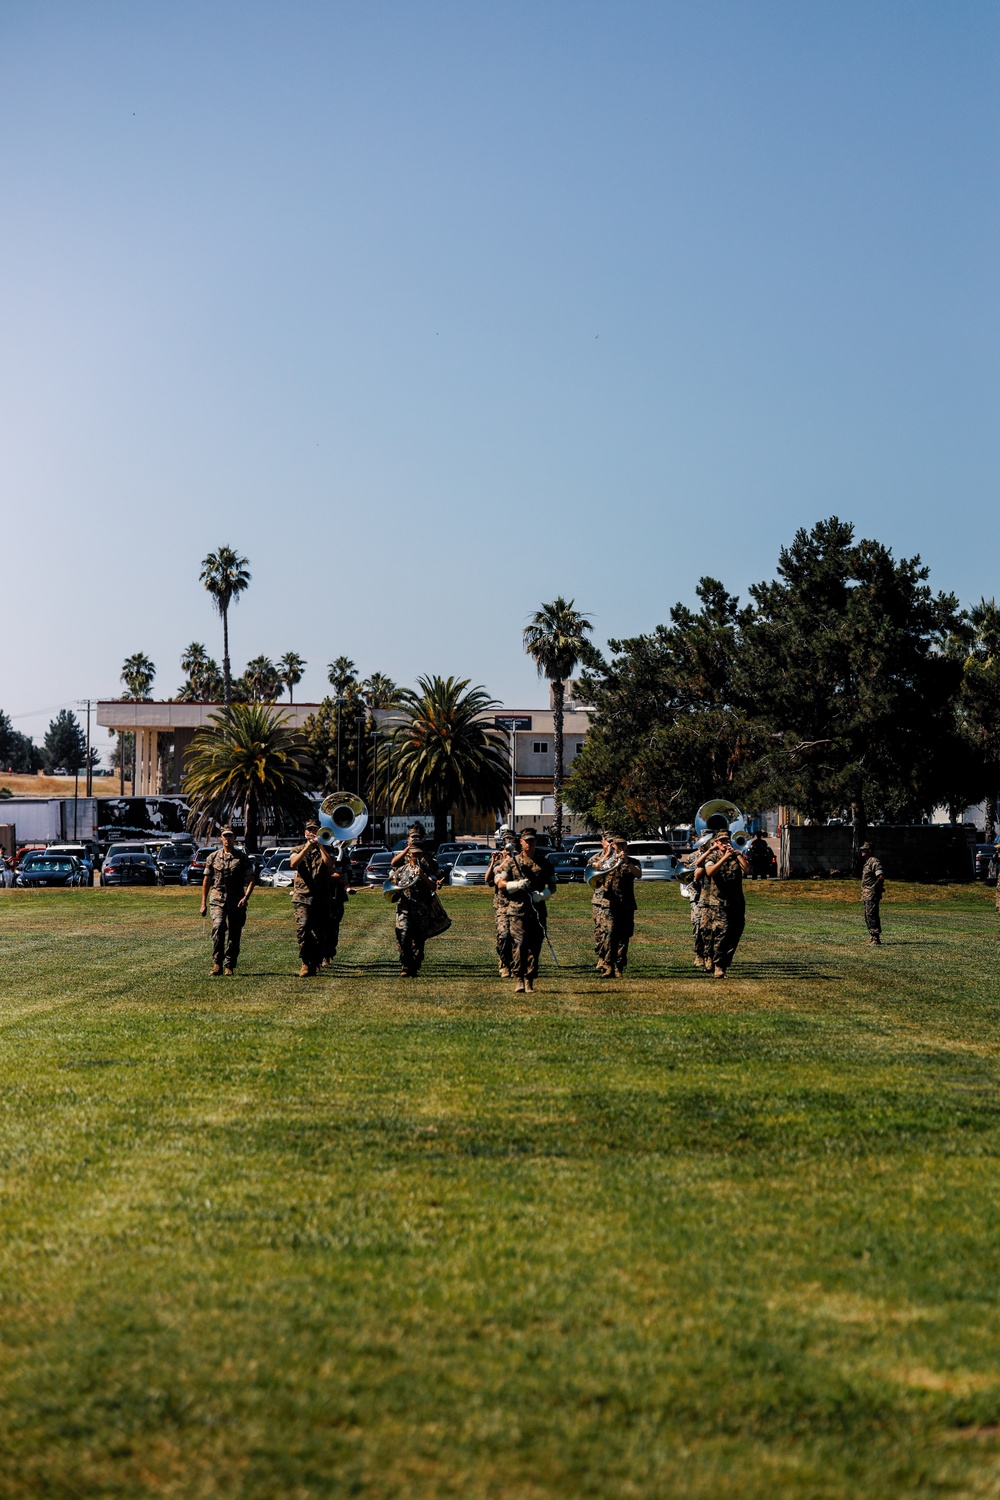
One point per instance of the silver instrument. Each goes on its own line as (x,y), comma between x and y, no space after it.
(403,879)
(715,816)
(342,817)
(600,872)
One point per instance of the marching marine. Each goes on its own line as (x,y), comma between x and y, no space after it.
(614,905)
(226,888)
(414,898)
(722,904)
(318,896)
(501,903)
(524,876)
(872,891)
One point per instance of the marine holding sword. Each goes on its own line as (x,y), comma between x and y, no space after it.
(525,876)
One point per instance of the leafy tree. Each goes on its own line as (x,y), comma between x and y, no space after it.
(320,731)
(848,663)
(667,733)
(137,674)
(18,753)
(65,743)
(204,680)
(225,575)
(444,756)
(247,759)
(290,669)
(556,641)
(342,674)
(262,680)
(979,703)
(379,691)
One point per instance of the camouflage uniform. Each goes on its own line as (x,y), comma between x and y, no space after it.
(501,917)
(228,876)
(527,918)
(318,898)
(722,914)
(413,920)
(614,908)
(872,883)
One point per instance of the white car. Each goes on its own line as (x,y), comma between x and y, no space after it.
(656,859)
(283,874)
(470,867)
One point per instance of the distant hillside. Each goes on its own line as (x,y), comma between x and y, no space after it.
(59,786)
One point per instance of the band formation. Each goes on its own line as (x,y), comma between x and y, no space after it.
(522,880)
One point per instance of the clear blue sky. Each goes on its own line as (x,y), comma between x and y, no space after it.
(436,311)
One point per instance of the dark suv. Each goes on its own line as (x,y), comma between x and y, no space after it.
(172,860)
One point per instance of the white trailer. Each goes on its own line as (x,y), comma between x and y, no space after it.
(37,820)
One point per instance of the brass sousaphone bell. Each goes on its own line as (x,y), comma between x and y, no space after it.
(342,817)
(712,817)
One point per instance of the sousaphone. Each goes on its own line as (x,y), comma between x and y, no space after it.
(342,817)
(712,817)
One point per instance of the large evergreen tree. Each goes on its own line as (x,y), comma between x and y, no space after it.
(667,734)
(250,760)
(849,667)
(65,743)
(18,753)
(445,755)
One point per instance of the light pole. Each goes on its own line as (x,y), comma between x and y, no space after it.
(340,704)
(511,727)
(360,722)
(375,738)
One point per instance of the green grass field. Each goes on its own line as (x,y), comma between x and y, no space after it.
(271,1237)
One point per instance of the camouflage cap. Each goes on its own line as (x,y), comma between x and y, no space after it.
(224,831)
(312,824)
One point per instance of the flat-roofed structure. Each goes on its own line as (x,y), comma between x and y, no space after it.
(163,734)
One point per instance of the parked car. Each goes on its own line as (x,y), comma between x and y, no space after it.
(470,867)
(195,872)
(172,860)
(284,875)
(569,868)
(79,852)
(360,854)
(131,846)
(25,849)
(377,869)
(130,869)
(656,858)
(986,863)
(52,869)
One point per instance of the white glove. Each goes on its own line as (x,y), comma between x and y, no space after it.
(517,885)
(539,896)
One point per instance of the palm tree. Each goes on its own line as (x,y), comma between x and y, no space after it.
(342,674)
(379,691)
(290,669)
(204,682)
(137,674)
(262,679)
(444,756)
(556,640)
(249,759)
(225,574)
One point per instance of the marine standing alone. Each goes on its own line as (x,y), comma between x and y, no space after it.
(614,906)
(226,887)
(872,891)
(523,876)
